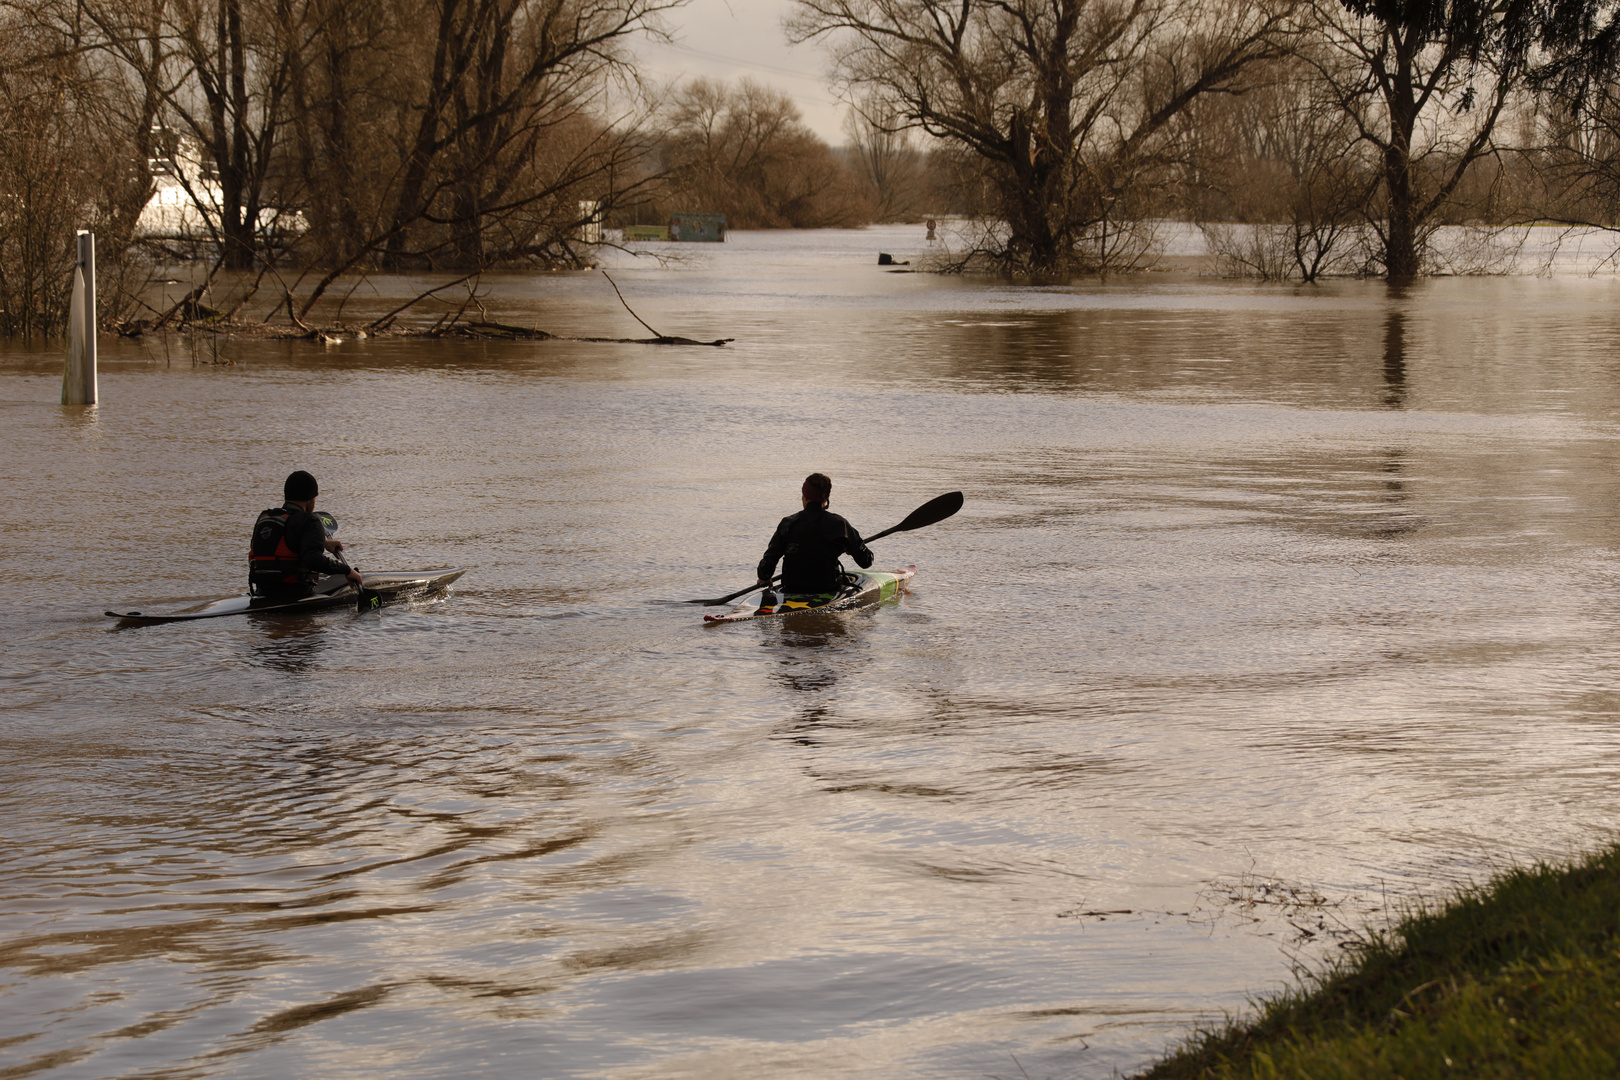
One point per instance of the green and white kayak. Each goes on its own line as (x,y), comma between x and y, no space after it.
(864,588)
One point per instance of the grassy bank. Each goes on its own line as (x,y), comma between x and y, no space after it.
(1517,978)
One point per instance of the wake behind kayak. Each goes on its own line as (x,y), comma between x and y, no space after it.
(331,592)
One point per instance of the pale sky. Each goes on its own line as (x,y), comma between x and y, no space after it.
(726,39)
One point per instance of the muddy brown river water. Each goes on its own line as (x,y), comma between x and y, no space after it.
(1258,592)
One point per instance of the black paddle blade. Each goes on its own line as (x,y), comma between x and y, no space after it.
(934,510)
(368,601)
(929,513)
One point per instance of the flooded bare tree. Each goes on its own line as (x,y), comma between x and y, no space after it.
(1064,103)
(1425,86)
(215,71)
(458,135)
(344,91)
(879,145)
(422,131)
(65,164)
(1278,177)
(1572,125)
(744,150)
(505,112)
(1428,85)
(1578,155)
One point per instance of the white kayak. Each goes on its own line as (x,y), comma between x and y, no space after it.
(331,592)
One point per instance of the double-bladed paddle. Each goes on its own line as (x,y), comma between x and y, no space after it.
(930,512)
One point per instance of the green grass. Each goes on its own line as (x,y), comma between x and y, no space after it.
(1518,978)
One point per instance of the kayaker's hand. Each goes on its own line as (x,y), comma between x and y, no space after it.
(762,582)
(354,578)
(334,546)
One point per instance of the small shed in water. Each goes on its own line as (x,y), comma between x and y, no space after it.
(688,228)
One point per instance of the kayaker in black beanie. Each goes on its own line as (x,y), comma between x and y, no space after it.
(290,550)
(809,543)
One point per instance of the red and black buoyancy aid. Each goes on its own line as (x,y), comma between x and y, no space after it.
(271,560)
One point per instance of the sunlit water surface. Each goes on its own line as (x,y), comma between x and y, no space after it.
(1307,588)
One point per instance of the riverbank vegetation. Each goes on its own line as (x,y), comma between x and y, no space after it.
(1518,978)
(302,143)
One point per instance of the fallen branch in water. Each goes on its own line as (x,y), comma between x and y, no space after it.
(332,335)
(522,333)
(449,325)
(385,321)
(656,335)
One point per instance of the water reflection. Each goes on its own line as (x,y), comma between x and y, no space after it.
(809,631)
(1395,359)
(811,658)
(290,643)
(1397,520)
(1284,579)
(80,420)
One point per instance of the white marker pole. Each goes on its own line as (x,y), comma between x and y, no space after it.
(79,377)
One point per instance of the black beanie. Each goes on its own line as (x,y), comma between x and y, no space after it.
(300,487)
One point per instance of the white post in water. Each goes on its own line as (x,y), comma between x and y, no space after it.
(79,378)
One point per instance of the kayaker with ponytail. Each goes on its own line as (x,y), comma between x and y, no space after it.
(808,544)
(290,550)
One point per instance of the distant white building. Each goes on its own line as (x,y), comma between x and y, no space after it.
(187,196)
(590,215)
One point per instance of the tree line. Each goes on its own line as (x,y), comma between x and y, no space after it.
(1351,129)
(337,138)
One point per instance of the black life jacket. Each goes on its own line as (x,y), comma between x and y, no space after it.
(270,558)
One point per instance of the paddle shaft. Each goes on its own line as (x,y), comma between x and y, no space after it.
(884,533)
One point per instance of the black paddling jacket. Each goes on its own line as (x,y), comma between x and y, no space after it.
(288,550)
(809,543)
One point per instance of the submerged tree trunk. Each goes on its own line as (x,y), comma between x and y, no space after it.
(1425,92)
(1401,256)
